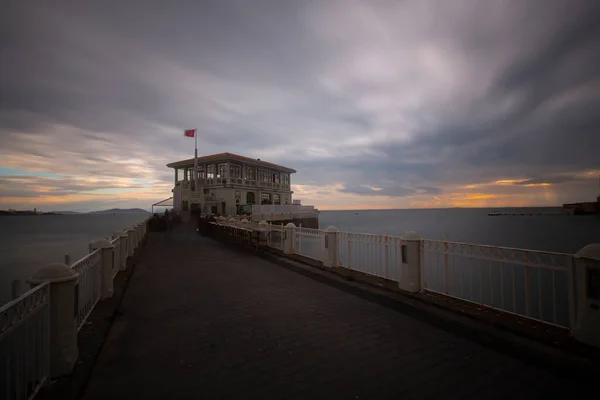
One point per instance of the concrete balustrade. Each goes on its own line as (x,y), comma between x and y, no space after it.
(106,254)
(124,250)
(289,240)
(331,255)
(138,229)
(410,274)
(131,240)
(63,321)
(66,294)
(586,295)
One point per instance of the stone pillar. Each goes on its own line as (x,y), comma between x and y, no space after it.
(63,320)
(131,238)
(138,235)
(290,238)
(124,246)
(106,254)
(410,273)
(586,295)
(331,256)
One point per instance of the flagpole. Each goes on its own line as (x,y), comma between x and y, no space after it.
(196,161)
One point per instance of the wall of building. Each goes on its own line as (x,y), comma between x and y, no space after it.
(177,199)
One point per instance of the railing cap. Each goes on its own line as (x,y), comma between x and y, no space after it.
(332,228)
(232,219)
(119,233)
(244,221)
(53,273)
(263,223)
(101,244)
(590,252)
(411,235)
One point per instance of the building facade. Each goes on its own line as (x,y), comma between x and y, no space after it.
(229,184)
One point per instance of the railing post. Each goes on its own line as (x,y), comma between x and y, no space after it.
(410,274)
(290,237)
(138,234)
(332,257)
(63,316)
(144,223)
(106,254)
(586,290)
(124,250)
(130,241)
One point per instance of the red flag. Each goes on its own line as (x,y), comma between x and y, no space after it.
(189,133)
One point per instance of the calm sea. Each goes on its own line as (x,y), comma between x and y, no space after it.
(557,233)
(28,242)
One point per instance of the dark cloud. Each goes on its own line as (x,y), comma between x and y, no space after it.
(407,97)
(391,191)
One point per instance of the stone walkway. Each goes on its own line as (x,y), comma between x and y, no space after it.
(202,321)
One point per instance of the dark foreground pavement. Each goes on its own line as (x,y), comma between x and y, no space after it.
(202,321)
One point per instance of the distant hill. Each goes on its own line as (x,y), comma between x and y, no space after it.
(121,211)
(64,212)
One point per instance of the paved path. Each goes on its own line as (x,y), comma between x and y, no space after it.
(200,321)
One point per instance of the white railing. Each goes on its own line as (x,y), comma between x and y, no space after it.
(25,344)
(533,284)
(277,212)
(528,283)
(309,243)
(377,255)
(281,208)
(116,253)
(89,269)
(276,237)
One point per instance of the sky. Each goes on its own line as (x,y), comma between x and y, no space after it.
(376,104)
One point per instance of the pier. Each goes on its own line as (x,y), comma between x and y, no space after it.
(526,214)
(233,309)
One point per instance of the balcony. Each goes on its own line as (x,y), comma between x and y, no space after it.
(219,182)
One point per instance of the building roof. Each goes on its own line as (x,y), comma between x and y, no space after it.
(229,157)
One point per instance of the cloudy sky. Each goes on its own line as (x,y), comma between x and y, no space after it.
(377,104)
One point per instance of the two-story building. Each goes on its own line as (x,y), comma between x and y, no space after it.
(229,184)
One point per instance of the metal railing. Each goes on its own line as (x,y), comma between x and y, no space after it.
(528,283)
(277,237)
(309,243)
(25,344)
(89,269)
(377,255)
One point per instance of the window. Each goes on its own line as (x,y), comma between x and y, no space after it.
(276,198)
(275,177)
(264,175)
(201,172)
(285,179)
(210,171)
(265,198)
(249,173)
(221,170)
(189,172)
(250,198)
(235,171)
